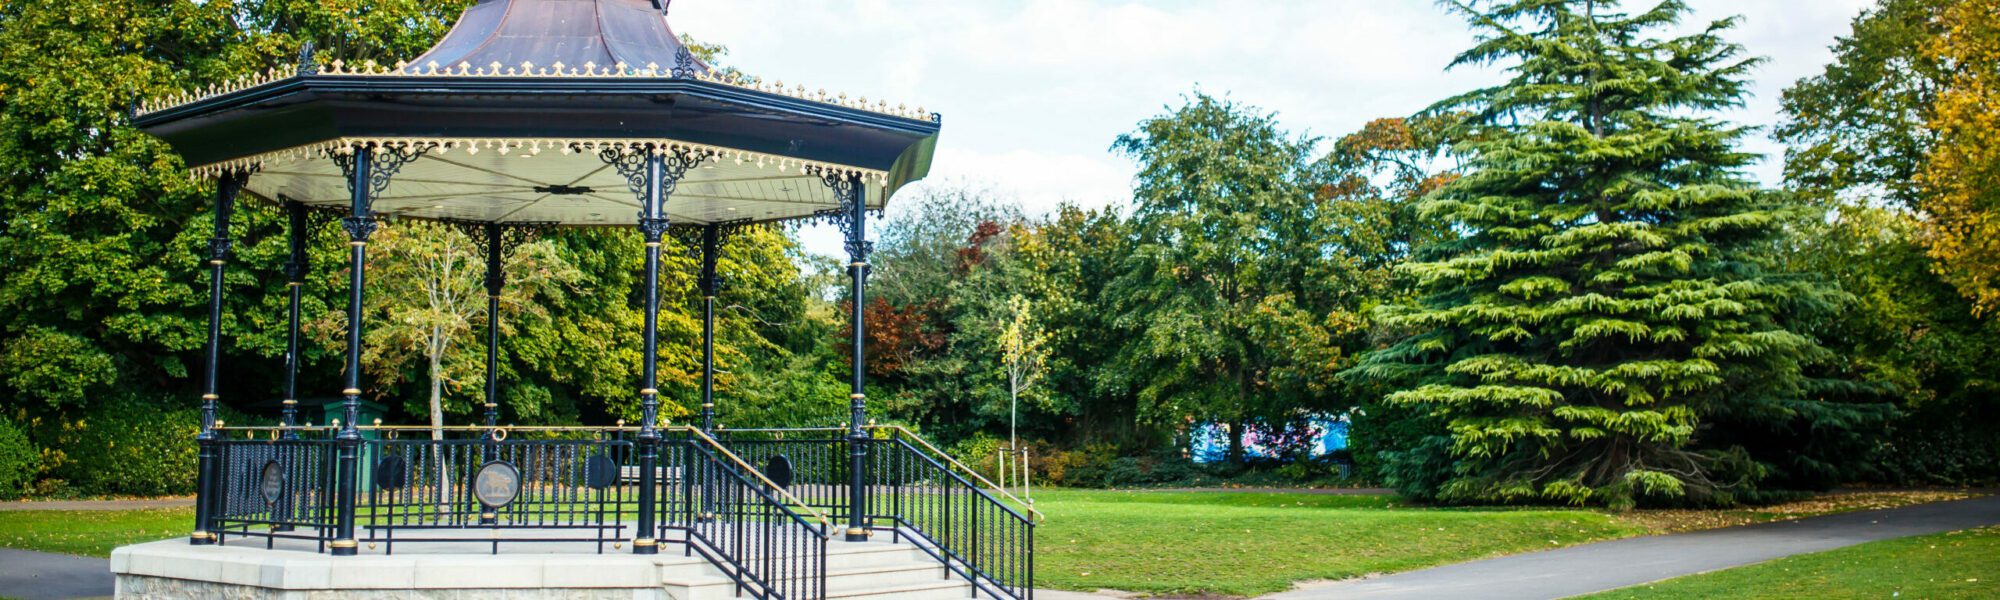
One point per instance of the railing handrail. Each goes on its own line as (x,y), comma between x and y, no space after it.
(968,484)
(825,522)
(1035,516)
(439,429)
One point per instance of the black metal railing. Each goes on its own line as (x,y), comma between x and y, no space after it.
(562,490)
(484,487)
(275,486)
(770,543)
(948,510)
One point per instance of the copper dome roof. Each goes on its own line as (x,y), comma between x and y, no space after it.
(575,33)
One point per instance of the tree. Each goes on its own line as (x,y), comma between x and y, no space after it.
(927,335)
(1859,139)
(1382,173)
(1022,344)
(1856,131)
(1606,304)
(1060,265)
(1961,179)
(427,294)
(103,226)
(1231,233)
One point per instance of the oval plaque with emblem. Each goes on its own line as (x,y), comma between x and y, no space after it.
(600,472)
(391,473)
(496,484)
(779,470)
(272,483)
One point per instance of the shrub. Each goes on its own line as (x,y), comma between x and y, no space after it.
(20,460)
(979,452)
(132,446)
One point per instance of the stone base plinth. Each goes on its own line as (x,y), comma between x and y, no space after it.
(174,569)
(458,564)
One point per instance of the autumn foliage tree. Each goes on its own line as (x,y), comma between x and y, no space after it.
(1961,180)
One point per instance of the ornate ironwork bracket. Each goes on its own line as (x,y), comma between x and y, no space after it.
(630,162)
(852,214)
(512,236)
(384,162)
(693,240)
(359,228)
(232,181)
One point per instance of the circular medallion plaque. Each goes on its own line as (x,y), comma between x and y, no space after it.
(272,484)
(779,470)
(391,473)
(496,484)
(600,472)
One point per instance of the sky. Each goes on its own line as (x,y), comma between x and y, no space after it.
(1034,91)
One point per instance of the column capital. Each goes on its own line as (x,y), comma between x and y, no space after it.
(359,228)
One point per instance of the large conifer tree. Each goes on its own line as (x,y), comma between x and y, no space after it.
(1602,315)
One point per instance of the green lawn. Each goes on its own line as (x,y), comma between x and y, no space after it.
(1175,542)
(90,532)
(1964,564)
(1245,544)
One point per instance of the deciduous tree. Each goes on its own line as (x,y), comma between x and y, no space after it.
(1961,179)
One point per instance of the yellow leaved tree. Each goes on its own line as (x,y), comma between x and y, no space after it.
(1961,180)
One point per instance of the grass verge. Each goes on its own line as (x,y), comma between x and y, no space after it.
(1961,564)
(90,532)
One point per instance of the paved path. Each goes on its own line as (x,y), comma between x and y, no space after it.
(43,576)
(1609,565)
(99,504)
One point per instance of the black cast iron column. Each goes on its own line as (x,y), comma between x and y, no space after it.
(368,168)
(297,224)
(360,223)
(858,247)
(206,494)
(652,225)
(652,174)
(493,282)
(710,246)
(494,279)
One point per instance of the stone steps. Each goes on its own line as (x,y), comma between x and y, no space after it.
(857,571)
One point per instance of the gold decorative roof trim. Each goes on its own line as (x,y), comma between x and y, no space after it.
(533,147)
(587,70)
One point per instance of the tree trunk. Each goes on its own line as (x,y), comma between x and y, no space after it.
(437,398)
(437,431)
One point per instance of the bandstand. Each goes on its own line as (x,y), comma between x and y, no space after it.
(532,115)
